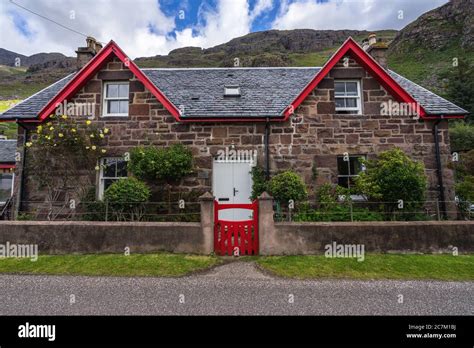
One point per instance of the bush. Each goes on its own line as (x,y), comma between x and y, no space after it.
(92,209)
(166,164)
(126,198)
(259,184)
(391,177)
(461,136)
(287,185)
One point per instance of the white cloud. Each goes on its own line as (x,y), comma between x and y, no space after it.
(260,7)
(350,14)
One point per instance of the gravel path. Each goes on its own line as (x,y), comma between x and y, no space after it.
(236,288)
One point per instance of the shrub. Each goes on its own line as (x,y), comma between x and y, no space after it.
(126,198)
(287,185)
(391,177)
(461,136)
(259,184)
(92,209)
(166,164)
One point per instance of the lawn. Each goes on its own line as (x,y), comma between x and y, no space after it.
(158,265)
(375,266)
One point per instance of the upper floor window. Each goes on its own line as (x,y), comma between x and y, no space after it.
(347,96)
(115,99)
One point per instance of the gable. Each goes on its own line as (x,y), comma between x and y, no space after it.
(90,69)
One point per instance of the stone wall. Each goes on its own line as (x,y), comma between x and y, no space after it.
(314,141)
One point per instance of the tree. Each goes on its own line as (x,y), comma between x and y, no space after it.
(392,177)
(287,186)
(459,85)
(127,198)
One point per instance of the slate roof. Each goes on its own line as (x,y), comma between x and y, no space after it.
(265,92)
(7,151)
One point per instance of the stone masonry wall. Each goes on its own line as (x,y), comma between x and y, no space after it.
(315,140)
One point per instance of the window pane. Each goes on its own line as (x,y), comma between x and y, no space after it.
(342,166)
(351,88)
(5,187)
(339,102)
(110,167)
(121,169)
(112,91)
(343,181)
(351,102)
(113,107)
(339,88)
(108,182)
(123,109)
(123,91)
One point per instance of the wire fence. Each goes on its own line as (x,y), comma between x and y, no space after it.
(361,210)
(181,211)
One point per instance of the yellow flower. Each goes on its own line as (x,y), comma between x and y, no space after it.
(92,135)
(88,122)
(51,128)
(94,147)
(60,135)
(28,144)
(97,168)
(101,135)
(103,150)
(39,129)
(73,130)
(64,117)
(87,147)
(49,124)
(106,130)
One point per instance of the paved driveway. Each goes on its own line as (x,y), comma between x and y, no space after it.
(236,288)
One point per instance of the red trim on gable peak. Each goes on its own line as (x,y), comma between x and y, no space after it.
(91,68)
(370,64)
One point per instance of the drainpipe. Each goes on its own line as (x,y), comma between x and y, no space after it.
(22,174)
(439,170)
(267,149)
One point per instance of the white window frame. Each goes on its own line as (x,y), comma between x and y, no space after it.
(105,99)
(358,98)
(12,188)
(353,197)
(100,193)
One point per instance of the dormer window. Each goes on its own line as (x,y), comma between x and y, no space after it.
(115,99)
(347,96)
(231,91)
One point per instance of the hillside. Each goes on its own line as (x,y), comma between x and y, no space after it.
(423,51)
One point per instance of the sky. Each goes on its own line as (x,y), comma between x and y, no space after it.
(155,27)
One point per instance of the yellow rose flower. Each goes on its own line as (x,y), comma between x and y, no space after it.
(92,135)
(106,130)
(51,128)
(101,135)
(103,150)
(94,147)
(73,130)
(97,168)
(28,144)
(60,135)
(88,122)
(64,117)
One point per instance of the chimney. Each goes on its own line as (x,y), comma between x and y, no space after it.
(377,48)
(85,54)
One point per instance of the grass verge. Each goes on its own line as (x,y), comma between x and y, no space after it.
(157,265)
(375,266)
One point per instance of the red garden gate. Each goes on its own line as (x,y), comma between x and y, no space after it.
(236,236)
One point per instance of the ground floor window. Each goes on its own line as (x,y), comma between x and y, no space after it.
(6,186)
(111,170)
(348,168)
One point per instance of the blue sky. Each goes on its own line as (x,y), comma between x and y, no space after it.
(151,27)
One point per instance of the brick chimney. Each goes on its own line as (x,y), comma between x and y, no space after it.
(85,54)
(377,48)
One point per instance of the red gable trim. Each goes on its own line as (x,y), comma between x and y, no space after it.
(91,68)
(370,64)
(7,166)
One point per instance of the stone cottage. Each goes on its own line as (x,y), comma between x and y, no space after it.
(305,119)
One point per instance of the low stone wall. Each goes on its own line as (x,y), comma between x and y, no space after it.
(106,237)
(424,236)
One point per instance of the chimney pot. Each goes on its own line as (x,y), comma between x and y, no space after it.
(377,49)
(85,54)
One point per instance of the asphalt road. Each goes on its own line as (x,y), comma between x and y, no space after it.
(233,289)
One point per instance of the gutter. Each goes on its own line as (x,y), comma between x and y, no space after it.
(439,169)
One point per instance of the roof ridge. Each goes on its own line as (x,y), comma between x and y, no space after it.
(240,68)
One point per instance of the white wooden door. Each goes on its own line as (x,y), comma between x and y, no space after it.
(232,184)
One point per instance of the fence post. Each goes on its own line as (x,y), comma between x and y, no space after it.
(207,222)
(266,224)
